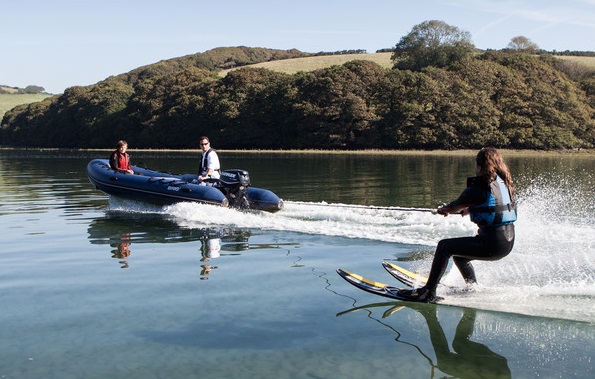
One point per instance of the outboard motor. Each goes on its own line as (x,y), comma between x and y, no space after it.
(234,185)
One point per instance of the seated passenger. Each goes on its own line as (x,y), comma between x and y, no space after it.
(120,160)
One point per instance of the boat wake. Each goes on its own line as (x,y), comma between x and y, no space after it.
(549,272)
(337,220)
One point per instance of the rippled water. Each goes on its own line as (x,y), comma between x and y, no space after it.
(98,287)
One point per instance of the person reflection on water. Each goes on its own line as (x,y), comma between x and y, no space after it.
(210,249)
(210,168)
(470,359)
(120,160)
(489,201)
(122,249)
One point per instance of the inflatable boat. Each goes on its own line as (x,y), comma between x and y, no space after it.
(232,190)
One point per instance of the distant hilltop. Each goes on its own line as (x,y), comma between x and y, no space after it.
(257,98)
(32,90)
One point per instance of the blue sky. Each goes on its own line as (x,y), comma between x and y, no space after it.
(63,43)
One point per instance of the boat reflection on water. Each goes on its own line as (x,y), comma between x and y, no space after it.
(121,230)
(470,359)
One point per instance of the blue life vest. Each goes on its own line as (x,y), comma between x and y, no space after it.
(499,209)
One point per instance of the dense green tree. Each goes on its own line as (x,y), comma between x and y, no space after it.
(523,44)
(34,89)
(559,115)
(250,108)
(25,125)
(464,114)
(90,116)
(434,109)
(171,109)
(502,89)
(432,43)
(404,102)
(333,105)
(588,85)
(81,117)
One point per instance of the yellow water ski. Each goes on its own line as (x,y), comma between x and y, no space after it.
(356,277)
(372,286)
(404,276)
(368,285)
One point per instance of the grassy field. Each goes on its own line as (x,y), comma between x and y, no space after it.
(9,101)
(588,62)
(291,66)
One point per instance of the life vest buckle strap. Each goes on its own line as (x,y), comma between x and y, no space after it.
(494,208)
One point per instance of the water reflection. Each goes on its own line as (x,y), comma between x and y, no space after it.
(210,249)
(122,230)
(470,359)
(121,249)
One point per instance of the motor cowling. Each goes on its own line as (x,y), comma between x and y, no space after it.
(235,178)
(234,185)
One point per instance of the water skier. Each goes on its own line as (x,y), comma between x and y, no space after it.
(489,201)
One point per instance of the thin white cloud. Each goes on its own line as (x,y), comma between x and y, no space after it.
(570,12)
(553,24)
(492,25)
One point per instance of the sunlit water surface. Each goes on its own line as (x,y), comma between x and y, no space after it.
(100,287)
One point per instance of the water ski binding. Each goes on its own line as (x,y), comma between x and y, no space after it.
(406,277)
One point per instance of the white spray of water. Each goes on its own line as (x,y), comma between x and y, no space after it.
(550,271)
(333,220)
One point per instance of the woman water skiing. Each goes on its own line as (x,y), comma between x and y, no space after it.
(489,201)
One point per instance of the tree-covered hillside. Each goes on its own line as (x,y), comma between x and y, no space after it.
(504,99)
(221,58)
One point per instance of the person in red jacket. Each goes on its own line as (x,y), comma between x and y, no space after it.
(120,160)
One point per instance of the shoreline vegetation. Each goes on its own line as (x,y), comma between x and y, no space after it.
(462,152)
(273,101)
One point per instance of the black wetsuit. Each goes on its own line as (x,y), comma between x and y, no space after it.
(491,242)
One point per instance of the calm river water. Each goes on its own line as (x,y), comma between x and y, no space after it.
(98,287)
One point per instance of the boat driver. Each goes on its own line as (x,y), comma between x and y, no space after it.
(209,162)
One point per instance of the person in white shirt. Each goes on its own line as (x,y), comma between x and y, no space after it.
(209,161)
